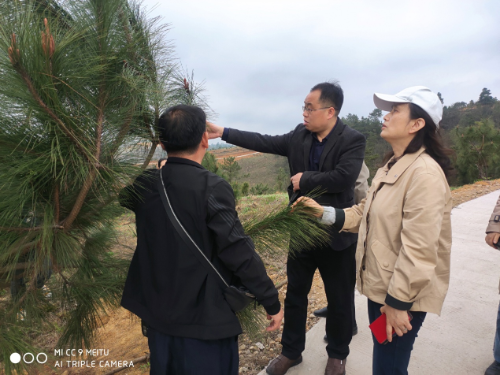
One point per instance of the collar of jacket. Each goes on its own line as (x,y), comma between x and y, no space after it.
(400,167)
(178,160)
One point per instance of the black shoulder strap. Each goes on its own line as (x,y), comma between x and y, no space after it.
(185,235)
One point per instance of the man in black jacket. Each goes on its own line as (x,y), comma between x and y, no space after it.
(323,153)
(191,328)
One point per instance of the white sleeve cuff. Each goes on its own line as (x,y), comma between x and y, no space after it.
(328,217)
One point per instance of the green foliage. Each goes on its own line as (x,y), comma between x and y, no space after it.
(210,163)
(478,151)
(236,191)
(440,97)
(260,189)
(244,189)
(231,168)
(486,98)
(253,320)
(285,229)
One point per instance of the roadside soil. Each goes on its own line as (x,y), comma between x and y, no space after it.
(236,152)
(121,332)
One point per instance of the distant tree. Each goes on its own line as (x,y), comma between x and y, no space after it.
(351,120)
(440,98)
(231,167)
(458,105)
(376,147)
(259,189)
(236,191)
(210,163)
(478,151)
(244,189)
(452,115)
(376,114)
(486,98)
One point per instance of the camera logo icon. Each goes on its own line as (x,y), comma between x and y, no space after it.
(28,358)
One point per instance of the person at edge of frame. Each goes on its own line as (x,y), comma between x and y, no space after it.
(493,239)
(323,153)
(191,329)
(404,225)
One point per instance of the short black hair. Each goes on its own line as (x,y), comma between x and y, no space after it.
(331,94)
(182,127)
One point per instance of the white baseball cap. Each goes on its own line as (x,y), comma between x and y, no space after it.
(419,95)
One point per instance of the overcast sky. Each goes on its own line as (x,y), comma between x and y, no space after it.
(259,59)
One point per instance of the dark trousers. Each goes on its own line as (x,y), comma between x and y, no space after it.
(496,345)
(338,271)
(171,355)
(393,358)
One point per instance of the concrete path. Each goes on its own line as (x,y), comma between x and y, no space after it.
(458,342)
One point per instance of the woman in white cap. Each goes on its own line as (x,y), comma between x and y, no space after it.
(403,253)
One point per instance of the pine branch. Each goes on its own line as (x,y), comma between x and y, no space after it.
(29,229)
(79,200)
(31,88)
(18,266)
(123,132)
(93,173)
(152,150)
(57,207)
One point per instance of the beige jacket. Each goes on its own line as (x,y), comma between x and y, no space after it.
(361,186)
(403,253)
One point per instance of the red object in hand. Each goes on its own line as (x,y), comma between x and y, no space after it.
(379,329)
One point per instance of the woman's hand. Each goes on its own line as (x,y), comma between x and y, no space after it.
(317,209)
(397,319)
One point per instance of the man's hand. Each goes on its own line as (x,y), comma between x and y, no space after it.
(296,181)
(492,238)
(214,131)
(397,319)
(317,209)
(275,321)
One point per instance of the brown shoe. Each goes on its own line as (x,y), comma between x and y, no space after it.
(335,366)
(281,364)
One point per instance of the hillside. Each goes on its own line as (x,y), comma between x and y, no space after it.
(256,167)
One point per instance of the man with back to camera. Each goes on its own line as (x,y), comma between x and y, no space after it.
(493,239)
(191,328)
(322,153)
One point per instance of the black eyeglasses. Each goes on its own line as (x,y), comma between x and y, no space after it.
(309,110)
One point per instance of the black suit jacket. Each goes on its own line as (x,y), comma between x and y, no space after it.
(339,166)
(166,285)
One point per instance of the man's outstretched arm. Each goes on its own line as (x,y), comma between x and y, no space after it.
(270,144)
